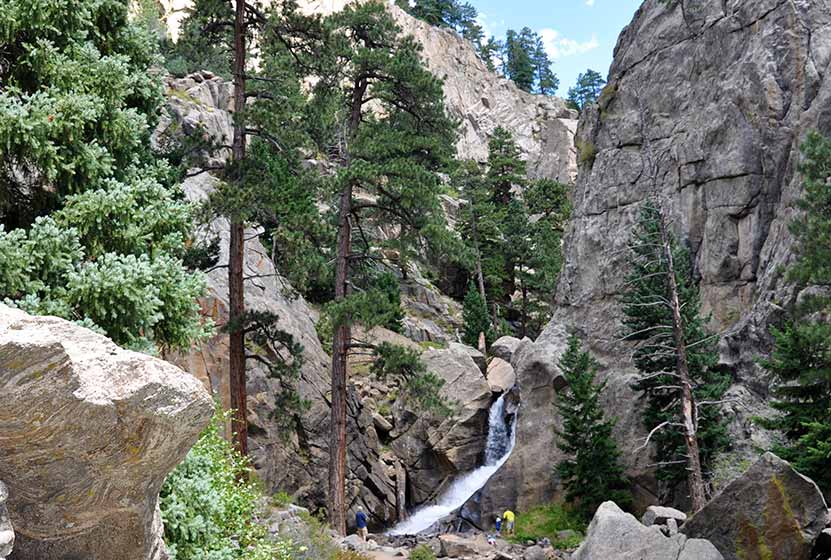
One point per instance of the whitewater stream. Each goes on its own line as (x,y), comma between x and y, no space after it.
(498,448)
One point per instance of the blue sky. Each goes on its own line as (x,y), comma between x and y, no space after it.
(579,34)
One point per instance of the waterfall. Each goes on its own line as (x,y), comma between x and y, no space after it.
(498,448)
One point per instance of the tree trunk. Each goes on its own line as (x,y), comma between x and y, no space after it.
(480,277)
(342,336)
(695,479)
(340,348)
(236,297)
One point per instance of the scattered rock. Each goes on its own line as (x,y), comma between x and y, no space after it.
(90,431)
(353,542)
(501,375)
(616,534)
(657,515)
(770,510)
(457,546)
(6,529)
(381,423)
(505,347)
(535,553)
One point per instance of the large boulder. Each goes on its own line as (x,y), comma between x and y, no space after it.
(727,166)
(616,534)
(89,433)
(504,347)
(501,375)
(6,529)
(771,511)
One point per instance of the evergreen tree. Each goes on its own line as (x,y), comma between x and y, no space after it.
(547,80)
(489,51)
(801,360)
(507,171)
(675,355)
(205,40)
(519,65)
(466,24)
(591,473)
(476,318)
(440,13)
(393,139)
(586,90)
(101,227)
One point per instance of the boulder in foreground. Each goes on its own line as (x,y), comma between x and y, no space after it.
(771,511)
(89,433)
(616,534)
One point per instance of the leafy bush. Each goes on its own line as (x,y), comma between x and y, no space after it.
(209,509)
(546,522)
(422,552)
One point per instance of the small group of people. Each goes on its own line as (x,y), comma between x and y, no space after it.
(507,520)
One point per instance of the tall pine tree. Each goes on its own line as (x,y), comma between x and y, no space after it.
(801,360)
(675,355)
(591,473)
(586,90)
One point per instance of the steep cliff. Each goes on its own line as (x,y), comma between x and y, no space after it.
(719,96)
(480,99)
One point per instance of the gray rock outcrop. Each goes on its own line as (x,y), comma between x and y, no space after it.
(6,529)
(771,511)
(504,347)
(720,95)
(616,534)
(89,433)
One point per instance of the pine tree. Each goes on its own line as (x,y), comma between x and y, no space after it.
(435,12)
(586,90)
(205,40)
(507,171)
(489,51)
(547,81)
(519,65)
(592,473)
(675,355)
(801,360)
(476,318)
(393,139)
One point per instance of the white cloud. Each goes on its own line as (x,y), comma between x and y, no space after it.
(558,46)
(589,3)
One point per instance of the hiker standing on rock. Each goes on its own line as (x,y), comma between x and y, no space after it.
(508,516)
(360,521)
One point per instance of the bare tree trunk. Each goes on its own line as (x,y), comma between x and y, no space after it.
(695,479)
(236,294)
(340,348)
(342,338)
(480,277)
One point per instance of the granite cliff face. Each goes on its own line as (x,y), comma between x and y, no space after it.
(480,99)
(719,95)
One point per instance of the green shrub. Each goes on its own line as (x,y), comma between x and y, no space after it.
(546,522)
(209,509)
(422,552)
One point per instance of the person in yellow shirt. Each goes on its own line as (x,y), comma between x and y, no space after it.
(508,518)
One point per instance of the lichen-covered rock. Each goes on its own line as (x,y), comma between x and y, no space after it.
(771,511)
(616,534)
(89,433)
(6,529)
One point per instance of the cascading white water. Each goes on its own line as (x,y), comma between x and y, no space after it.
(498,448)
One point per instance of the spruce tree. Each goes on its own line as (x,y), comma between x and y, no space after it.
(476,318)
(801,360)
(92,225)
(586,90)
(675,355)
(547,81)
(592,472)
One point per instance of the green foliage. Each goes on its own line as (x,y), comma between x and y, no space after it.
(648,322)
(476,318)
(422,552)
(421,387)
(209,509)
(592,472)
(586,90)
(388,285)
(205,40)
(519,65)
(77,104)
(801,359)
(546,521)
